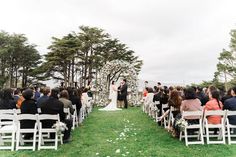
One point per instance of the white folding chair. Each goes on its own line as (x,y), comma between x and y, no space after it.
(67,112)
(75,118)
(157,111)
(171,117)
(42,131)
(7,126)
(165,119)
(199,136)
(20,131)
(220,126)
(90,104)
(231,129)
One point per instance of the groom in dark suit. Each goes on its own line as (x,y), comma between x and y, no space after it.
(123,92)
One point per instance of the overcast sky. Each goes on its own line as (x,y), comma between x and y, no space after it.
(178,40)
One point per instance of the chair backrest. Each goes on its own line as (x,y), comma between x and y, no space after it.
(157,102)
(27,117)
(197,114)
(7,111)
(230,113)
(49,117)
(164,106)
(67,110)
(7,119)
(214,113)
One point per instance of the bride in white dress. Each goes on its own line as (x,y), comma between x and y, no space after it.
(112,106)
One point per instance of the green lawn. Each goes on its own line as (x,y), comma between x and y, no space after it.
(129,131)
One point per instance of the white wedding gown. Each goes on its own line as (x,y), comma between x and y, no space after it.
(113,104)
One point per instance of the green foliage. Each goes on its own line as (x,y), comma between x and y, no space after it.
(18,59)
(84,53)
(226,67)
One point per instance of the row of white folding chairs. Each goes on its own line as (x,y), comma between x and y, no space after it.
(10,124)
(85,111)
(74,116)
(204,127)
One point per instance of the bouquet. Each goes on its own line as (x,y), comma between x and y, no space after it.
(60,127)
(181,123)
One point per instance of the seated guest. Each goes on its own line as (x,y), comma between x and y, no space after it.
(213,104)
(37,93)
(17,94)
(28,106)
(42,99)
(54,106)
(75,98)
(201,96)
(7,101)
(175,102)
(64,98)
(148,103)
(191,103)
(230,104)
(228,95)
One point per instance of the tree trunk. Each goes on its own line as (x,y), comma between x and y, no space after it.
(16,76)
(73,71)
(226,81)
(85,69)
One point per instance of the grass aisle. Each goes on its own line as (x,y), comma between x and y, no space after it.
(125,133)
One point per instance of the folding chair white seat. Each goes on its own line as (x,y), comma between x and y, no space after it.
(230,127)
(42,130)
(199,136)
(7,127)
(220,126)
(75,118)
(20,131)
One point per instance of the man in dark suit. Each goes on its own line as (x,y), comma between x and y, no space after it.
(230,104)
(124,92)
(54,106)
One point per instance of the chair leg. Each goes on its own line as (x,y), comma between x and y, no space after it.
(223,133)
(34,141)
(201,134)
(17,140)
(229,135)
(13,141)
(180,136)
(56,141)
(40,140)
(207,134)
(186,136)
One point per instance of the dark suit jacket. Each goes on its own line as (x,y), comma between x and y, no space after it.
(52,106)
(230,104)
(123,92)
(28,107)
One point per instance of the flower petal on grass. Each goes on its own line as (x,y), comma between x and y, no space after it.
(118,151)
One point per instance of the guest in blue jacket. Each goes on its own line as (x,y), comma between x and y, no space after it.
(230,104)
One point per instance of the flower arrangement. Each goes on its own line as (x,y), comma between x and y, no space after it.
(181,123)
(116,70)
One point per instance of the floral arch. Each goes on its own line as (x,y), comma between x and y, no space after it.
(115,71)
